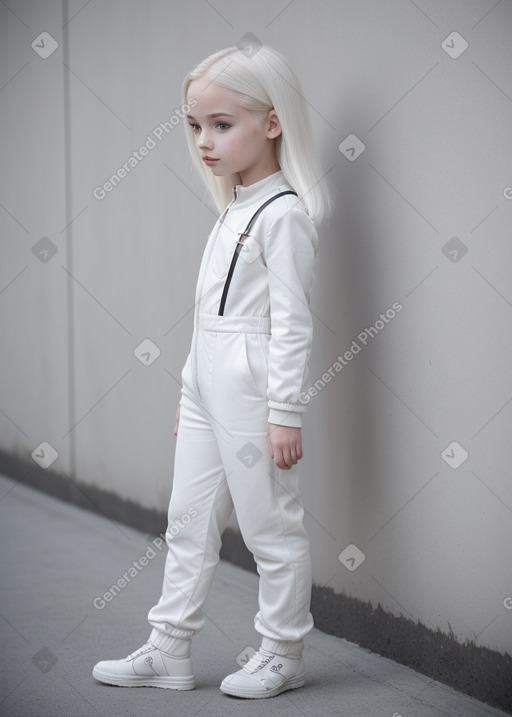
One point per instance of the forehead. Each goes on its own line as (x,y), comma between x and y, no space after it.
(211,97)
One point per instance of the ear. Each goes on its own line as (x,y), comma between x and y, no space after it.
(273,125)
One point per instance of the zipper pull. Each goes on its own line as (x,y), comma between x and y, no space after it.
(229,206)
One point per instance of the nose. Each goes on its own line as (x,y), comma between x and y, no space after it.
(204,140)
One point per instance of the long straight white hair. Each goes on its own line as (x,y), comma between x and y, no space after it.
(264,80)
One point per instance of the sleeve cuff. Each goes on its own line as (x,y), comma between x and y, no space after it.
(285,418)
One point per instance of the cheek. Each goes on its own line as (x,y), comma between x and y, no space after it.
(234,144)
(245,143)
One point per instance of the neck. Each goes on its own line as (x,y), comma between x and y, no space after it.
(264,169)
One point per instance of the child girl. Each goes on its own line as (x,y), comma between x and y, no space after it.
(238,424)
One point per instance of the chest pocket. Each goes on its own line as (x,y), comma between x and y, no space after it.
(250,250)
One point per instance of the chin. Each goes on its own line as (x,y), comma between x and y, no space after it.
(218,171)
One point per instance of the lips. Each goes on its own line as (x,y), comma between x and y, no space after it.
(209,160)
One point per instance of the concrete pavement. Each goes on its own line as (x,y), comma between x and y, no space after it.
(60,615)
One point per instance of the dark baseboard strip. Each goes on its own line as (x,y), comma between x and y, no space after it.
(477,671)
(97,500)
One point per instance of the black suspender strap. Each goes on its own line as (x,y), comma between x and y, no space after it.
(239,245)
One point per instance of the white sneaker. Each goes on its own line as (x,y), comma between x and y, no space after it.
(147,667)
(265,675)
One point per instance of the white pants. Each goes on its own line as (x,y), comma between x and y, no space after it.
(222,460)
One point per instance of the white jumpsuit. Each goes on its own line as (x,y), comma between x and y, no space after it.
(245,369)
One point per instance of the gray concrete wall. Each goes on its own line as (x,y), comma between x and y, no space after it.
(422,222)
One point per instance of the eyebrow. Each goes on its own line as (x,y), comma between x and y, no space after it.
(214,114)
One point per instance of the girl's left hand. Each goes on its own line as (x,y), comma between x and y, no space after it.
(285,445)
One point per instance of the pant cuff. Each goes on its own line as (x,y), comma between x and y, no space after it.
(281,647)
(176,646)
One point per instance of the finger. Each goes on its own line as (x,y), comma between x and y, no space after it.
(287,459)
(294,454)
(279,459)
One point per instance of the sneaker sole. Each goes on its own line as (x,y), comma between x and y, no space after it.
(170,683)
(292,684)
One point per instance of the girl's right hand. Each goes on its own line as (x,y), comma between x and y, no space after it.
(177,422)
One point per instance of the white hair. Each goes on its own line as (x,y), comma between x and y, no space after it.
(264,80)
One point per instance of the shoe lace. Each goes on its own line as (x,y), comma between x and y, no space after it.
(144,648)
(254,662)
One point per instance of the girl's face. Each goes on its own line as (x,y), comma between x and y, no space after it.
(228,137)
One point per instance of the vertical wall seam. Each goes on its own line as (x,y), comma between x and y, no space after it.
(68,192)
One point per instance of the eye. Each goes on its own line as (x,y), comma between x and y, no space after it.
(222,126)
(195,127)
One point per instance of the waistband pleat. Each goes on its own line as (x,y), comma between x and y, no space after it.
(234,324)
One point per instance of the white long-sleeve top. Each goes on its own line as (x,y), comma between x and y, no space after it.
(272,279)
